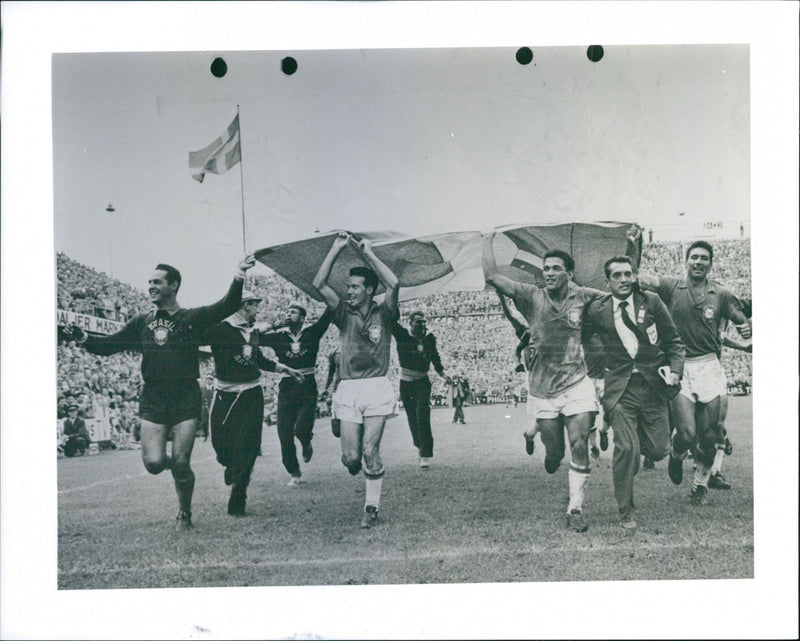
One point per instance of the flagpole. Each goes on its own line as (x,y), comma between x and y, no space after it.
(241,178)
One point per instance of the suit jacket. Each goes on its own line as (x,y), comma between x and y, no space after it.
(659,344)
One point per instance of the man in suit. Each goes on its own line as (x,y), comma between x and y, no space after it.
(644,358)
(76,435)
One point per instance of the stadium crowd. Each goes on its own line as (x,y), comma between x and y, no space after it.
(473,337)
(86,291)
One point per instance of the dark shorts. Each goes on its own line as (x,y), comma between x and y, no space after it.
(170,402)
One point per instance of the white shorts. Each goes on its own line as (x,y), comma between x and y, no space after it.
(703,379)
(599,387)
(577,399)
(357,398)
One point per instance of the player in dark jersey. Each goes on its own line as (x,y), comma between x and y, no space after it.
(237,406)
(296,347)
(560,393)
(416,351)
(169,338)
(698,304)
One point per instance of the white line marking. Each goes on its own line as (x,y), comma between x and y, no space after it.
(429,556)
(121,479)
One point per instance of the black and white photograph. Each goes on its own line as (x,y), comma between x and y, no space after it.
(397,335)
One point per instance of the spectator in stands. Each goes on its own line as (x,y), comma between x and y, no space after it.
(76,436)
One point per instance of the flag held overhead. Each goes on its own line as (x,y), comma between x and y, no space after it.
(219,156)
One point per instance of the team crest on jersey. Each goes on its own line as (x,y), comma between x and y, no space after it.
(160,335)
(420,347)
(247,351)
(574,317)
(374,333)
(708,312)
(161,328)
(295,347)
(652,334)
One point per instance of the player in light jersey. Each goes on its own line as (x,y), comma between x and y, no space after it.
(560,393)
(364,397)
(698,304)
(717,481)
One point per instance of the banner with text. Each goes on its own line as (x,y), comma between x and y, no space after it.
(88,323)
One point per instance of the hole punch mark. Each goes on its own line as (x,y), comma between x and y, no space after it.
(595,53)
(288,65)
(524,55)
(219,67)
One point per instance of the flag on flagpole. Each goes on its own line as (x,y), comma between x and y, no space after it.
(219,156)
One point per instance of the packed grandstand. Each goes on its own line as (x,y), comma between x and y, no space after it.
(473,336)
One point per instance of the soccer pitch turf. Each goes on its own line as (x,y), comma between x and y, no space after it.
(485,512)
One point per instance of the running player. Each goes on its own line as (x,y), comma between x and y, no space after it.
(365,397)
(237,406)
(698,304)
(560,393)
(717,481)
(169,338)
(416,351)
(296,347)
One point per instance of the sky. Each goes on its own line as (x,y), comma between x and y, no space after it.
(420,141)
(450,134)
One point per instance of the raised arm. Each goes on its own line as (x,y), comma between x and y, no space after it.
(321,279)
(516,323)
(228,304)
(501,283)
(385,274)
(129,337)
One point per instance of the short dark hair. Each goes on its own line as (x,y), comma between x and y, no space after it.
(415,314)
(569,264)
(618,259)
(369,276)
(703,245)
(299,308)
(172,274)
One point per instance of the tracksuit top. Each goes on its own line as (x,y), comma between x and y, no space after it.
(235,359)
(168,342)
(417,354)
(298,351)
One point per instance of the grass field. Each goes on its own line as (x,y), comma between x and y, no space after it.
(485,512)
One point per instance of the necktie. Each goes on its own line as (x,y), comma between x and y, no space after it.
(629,340)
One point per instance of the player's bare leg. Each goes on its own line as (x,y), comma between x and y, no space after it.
(707,421)
(183,437)
(682,414)
(373,468)
(717,481)
(153,441)
(351,438)
(551,431)
(529,436)
(578,427)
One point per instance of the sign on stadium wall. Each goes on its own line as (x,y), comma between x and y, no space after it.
(87,323)
(99,429)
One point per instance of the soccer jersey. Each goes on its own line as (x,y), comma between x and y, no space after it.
(168,342)
(697,317)
(556,356)
(298,351)
(365,340)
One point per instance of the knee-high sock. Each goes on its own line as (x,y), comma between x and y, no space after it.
(578,477)
(718,457)
(374,485)
(184,488)
(701,475)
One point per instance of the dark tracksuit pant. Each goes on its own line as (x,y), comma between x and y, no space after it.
(641,426)
(236,424)
(297,404)
(416,396)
